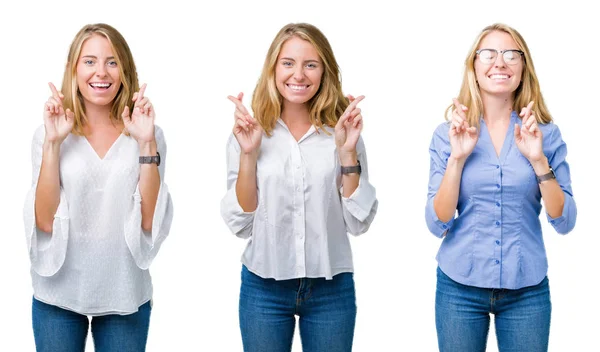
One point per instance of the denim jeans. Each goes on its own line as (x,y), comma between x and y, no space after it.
(57,329)
(462,316)
(326,311)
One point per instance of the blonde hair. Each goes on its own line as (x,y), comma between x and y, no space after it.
(127,72)
(527,91)
(329,102)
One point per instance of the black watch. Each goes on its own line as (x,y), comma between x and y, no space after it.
(150,159)
(549,176)
(351,169)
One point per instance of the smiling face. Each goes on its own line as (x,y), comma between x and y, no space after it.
(298,71)
(498,78)
(98,76)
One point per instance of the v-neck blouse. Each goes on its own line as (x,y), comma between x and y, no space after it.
(301,224)
(495,240)
(96,259)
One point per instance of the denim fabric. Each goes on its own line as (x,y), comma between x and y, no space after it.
(462,316)
(326,310)
(57,329)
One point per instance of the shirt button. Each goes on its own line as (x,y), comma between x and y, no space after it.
(444,226)
(497,242)
(497,223)
(497,166)
(497,185)
(497,261)
(497,204)
(552,221)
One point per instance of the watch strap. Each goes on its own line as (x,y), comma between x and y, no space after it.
(150,159)
(351,169)
(549,176)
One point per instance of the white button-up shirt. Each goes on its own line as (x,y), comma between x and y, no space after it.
(96,260)
(299,228)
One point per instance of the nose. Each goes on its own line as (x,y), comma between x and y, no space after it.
(500,57)
(299,73)
(101,70)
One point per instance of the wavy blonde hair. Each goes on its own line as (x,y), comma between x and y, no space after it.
(528,90)
(329,102)
(127,72)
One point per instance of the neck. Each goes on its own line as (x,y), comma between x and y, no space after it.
(294,113)
(98,116)
(496,108)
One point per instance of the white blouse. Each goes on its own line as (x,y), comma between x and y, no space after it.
(299,228)
(96,260)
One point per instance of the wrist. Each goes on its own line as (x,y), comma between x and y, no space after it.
(147,148)
(52,147)
(348,158)
(454,161)
(541,166)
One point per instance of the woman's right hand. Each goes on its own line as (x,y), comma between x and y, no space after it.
(246,129)
(57,121)
(462,137)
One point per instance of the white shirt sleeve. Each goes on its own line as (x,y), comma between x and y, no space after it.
(238,221)
(145,245)
(360,208)
(47,251)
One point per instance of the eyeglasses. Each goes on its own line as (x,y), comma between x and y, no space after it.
(488,56)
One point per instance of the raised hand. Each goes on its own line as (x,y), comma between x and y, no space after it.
(462,137)
(141,122)
(348,127)
(57,121)
(528,136)
(246,128)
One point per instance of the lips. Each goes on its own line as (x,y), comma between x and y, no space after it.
(499,76)
(297,87)
(100,85)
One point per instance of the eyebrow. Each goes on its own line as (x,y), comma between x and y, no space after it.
(95,57)
(290,59)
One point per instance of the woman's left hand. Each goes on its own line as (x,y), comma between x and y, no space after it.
(141,122)
(348,127)
(528,136)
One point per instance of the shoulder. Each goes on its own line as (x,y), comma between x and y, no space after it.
(440,134)
(551,132)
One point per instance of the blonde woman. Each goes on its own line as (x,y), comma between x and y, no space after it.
(493,163)
(98,209)
(297,184)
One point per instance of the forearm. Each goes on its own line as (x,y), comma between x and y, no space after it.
(245,187)
(47,193)
(349,181)
(552,195)
(446,198)
(149,185)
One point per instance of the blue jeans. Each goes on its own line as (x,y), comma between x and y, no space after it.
(462,316)
(57,329)
(326,311)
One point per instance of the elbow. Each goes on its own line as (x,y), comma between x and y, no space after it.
(147,226)
(44,226)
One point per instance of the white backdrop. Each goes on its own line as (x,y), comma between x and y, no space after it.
(406,60)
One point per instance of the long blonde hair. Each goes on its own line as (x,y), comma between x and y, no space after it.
(528,90)
(127,72)
(329,102)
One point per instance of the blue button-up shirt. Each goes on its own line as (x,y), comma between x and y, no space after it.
(495,240)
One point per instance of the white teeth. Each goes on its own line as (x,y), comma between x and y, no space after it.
(100,85)
(295,87)
(498,76)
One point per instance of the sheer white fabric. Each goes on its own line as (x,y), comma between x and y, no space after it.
(96,259)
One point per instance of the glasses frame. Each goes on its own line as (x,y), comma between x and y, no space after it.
(500,52)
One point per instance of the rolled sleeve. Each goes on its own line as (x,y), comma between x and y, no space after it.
(360,208)
(237,220)
(439,151)
(556,152)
